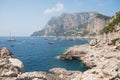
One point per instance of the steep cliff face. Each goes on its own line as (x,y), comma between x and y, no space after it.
(113,25)
(111,32)
(77,24)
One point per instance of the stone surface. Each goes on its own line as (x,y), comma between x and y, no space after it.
(63,74)
(104,60)
(17,63)
(5,53)
(32,76)
(9,66)
(93,42)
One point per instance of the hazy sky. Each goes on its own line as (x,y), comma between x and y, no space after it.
(23,17)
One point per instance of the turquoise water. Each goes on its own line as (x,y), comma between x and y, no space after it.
(38,55)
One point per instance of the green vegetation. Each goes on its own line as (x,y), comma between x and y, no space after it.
(111,26)
(93,34)
(82,26)
(84,33)
(102,17)
(115,40)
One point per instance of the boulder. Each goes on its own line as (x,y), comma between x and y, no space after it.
(32,76)
(65,56)
(5,53)
(7,69)
(94,74)
(17,64)
(74,53)
(63,74)
(9,66)
(93,42)
(118,47)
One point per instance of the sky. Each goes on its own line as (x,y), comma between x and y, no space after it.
(23,17)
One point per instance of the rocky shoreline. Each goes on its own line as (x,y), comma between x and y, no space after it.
(12,68)
(102,59)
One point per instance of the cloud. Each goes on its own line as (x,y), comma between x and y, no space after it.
(58,7)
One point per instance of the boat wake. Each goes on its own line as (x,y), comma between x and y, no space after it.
(57,57)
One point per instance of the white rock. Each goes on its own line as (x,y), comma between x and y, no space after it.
(17,63)
(93,42)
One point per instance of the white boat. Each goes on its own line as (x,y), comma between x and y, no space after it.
(11,38)
(51,43)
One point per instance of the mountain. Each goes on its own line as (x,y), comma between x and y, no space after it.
(76,24)
(111,32)
(113,25)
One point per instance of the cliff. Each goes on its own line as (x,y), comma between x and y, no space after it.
(102,54)
(77,24)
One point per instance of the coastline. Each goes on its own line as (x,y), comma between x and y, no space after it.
(102,59)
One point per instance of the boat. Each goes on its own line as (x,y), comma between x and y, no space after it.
(32,43)
(12,45)
(11,38)
(51,43)
(71,39)
(45,38)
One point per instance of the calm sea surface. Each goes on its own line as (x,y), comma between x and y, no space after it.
(38,55)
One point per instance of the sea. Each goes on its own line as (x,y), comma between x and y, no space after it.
(42,54)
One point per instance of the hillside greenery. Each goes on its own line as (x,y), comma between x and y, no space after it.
(111,26)
(102,17)
(115,40)
(84,33)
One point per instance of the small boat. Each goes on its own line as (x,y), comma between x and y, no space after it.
(51,43)
(32,43)
(45,38)
(71,39)
(12,45)
(11,38)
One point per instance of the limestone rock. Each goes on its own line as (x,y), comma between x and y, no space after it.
(94,74)
(75,52)
(7,69)
(10,67)
(17,63)
(85,23)
(5,53)
(118,47)
(93,42)
(63,74)
(32,76)
(103,60)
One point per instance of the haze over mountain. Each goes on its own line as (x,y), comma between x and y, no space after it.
(76,24)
